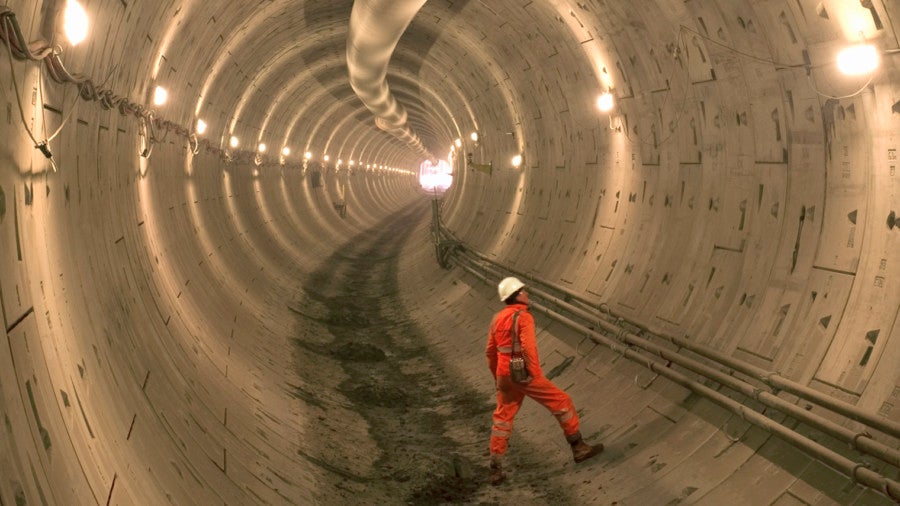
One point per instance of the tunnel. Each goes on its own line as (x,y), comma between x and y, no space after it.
(223,283)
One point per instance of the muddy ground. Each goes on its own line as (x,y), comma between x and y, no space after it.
(387,424)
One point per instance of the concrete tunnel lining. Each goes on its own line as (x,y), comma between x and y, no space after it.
(179,333)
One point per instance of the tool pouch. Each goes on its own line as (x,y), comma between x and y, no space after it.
(518,372)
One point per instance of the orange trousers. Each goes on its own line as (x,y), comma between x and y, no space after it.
(509,399)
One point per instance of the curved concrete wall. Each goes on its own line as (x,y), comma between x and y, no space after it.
(165,317)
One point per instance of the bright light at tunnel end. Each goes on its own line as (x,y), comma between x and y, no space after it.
(435,178)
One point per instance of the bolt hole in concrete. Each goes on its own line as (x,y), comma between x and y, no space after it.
(392,427)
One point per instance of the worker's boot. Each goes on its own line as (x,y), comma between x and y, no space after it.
(497,475)
(582,451)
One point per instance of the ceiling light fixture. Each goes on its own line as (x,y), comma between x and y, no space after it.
(160,96)
(605,102)
(858,59)
(75,22)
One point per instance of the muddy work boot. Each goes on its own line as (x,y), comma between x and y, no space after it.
(497,475)
(582,451)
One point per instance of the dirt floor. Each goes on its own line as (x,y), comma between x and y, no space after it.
(391,427)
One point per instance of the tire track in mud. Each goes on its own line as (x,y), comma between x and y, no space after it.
(391,379)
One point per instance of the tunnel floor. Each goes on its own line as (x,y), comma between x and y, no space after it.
(392,427)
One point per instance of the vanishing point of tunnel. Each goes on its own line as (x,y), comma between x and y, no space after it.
(250,250)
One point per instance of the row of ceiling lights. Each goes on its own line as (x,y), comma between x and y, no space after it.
(75,25)
(856,59)
(605,103)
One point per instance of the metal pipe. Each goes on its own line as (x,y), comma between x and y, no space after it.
(375,28)
(857,471)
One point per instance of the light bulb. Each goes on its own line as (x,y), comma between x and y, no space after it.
(857,60)
(75,22)
(201,127)
(262,147)
(233,142)
(308,155)
(160,95)
(517,161)
(285,151)
(474,136)
(605,102)
(458,143)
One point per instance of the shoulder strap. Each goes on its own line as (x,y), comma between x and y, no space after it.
(517,345)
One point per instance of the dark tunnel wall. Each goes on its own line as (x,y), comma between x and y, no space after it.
(150,305)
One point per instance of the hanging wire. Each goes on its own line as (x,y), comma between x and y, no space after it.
(680,43)
(731,49)
(780,66)
(855,93)
(677,51)
(42,51)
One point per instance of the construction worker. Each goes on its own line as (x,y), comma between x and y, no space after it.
(510,395)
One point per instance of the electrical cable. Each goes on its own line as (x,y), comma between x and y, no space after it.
(42,146)
(857,92)
(778,66)
(742,53)
(657,143)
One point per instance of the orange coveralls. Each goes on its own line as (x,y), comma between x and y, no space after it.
(510,395)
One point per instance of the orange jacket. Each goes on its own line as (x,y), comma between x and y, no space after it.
(500,341)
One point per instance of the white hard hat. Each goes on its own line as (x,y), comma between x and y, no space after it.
(508,287)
